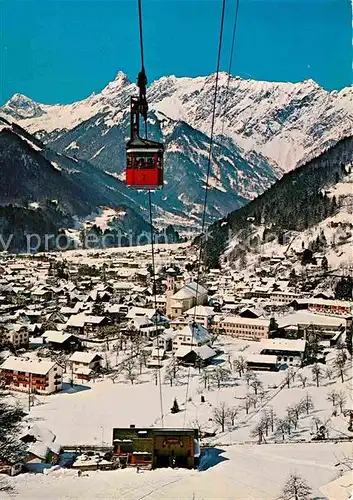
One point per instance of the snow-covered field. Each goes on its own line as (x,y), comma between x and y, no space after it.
(236,473)
(86,414)
(83,414)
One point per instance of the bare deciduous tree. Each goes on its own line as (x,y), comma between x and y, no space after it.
(308,403)
(328,372)
(295,488)
(271,416)
(220,375)
(258,431)
(303,379)
(248,376)
(340,362)
(240,365)
(332,397)
(232,414)
(289,377)
(341,400)
(205,378)
(220,415)
(256,384)
(247,403)
(317,373)
(282,427)
(129,368)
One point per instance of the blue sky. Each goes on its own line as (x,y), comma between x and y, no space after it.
(62,51)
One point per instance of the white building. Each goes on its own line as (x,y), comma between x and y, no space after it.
(184,299)
(83,363)
(243,328)
(191,335)
(16,336)
(288,351)
(203,315)
(23,374)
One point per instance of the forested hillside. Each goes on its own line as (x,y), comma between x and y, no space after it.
(297,201)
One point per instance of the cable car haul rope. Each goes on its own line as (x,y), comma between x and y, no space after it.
(144,164)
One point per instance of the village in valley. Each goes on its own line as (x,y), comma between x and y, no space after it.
(120,366)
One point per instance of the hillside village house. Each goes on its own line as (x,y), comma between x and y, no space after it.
(191,335)
(83,364)
(300,322)
(23,374)
(336,307)
(184,299)
(17,336)
(288,351)
(242,328)
(203,315)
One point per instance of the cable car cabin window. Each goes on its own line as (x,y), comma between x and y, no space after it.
(129,161)
(144,161)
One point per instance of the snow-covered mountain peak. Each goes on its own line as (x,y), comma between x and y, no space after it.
(23,107)
(283,123)
(119,83)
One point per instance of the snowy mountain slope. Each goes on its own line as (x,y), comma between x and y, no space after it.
(285,122)
(32,175)
(232,183)
(314,197)
(269,128)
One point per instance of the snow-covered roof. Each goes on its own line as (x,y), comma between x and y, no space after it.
(262,358)
(246,321)
(84,357)
(309,318)
(204,352)
(198,332)
(40,434)
(284,344)
(39,450)
(200,311)
(140,311)
(189,290)
(57,337)
(38,366)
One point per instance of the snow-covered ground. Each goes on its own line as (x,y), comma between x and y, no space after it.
(232,473)
(83,414)
(236,468)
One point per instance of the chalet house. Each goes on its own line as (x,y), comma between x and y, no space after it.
(287,351)
(16,335)
(84,363)
(61,341)
(184,299)
(191,335)
(138,312)
(203,315)
(193,355)
(23,374)
(165,340)
(85,323)
(156,447)
(43,451)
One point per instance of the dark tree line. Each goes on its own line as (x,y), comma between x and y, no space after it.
(300,192)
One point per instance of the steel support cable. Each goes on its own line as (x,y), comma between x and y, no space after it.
(154,291)
(235,24)
(202,240)
(142,75)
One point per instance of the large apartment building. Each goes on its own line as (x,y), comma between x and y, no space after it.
(22,374)
(242,328)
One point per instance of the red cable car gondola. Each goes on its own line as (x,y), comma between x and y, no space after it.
(144,158)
